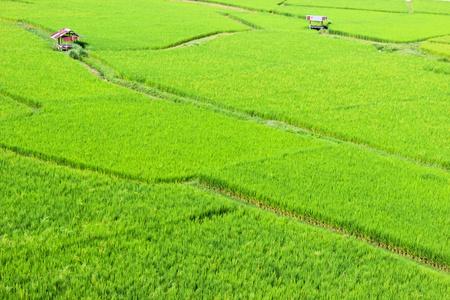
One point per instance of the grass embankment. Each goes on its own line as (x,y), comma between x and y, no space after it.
(382,21)
(336,87)
(442,39)
(103,127)
(10,109)
(383,199)
(117,131)
(70,233)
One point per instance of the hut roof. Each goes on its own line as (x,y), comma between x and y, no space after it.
(63,32)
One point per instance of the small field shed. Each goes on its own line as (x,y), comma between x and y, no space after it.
(64,36)
(317,19)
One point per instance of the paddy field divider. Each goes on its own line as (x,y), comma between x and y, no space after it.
(110,75)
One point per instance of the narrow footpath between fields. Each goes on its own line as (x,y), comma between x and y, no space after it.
(108,74)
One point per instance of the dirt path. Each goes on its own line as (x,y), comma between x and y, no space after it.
(410,7)
(200,41)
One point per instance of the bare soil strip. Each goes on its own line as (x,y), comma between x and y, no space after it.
(199,41)
(410,7)
(202,40)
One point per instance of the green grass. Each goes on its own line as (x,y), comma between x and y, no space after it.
(108,230)
(10,109)
(88,123)
(123,25)
(442,39)
(382,198)
(336,87)
(432,6)
(258,5)
(71,234)
(379,5)
(117,131)
(434,48)
(377,26)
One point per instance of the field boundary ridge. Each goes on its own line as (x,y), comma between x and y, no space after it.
(107,73)
(218,5)
(201,182)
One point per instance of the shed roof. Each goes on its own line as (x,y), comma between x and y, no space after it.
(316,18)
(63,32)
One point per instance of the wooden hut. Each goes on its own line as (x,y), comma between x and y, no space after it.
(64,36)
(317,19)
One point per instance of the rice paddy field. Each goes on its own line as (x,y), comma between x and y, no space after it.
(223,150)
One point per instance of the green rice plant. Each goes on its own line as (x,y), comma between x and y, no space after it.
(72,234)
(123,25)
(431,6)
(396,6)
(10,109)
(336,87)
(383,21)
(164,27)
(72,53)
(442,39)
(116,131)
(77,52)
(385,199)
(257,5)
(379,5)
(377,26)
(273,22)
(434,48)
(88,123)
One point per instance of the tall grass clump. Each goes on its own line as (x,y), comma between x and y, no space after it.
(77,52)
